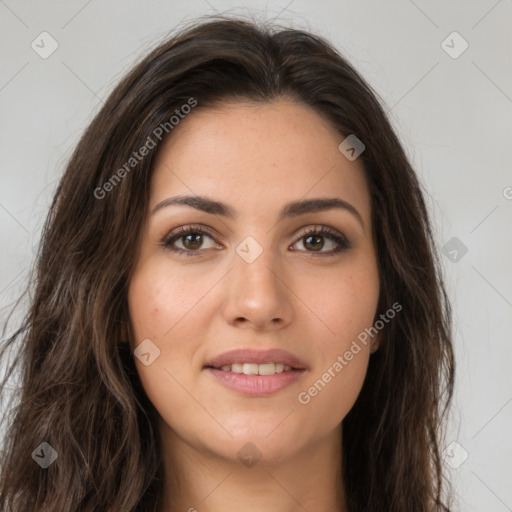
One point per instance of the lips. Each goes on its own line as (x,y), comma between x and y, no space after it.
(256,373)
(256,357)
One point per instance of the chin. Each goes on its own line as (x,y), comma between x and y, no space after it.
(252,444)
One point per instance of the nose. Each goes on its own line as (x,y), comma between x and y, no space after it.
(259,294)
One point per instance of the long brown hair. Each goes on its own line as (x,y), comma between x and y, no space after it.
(80,391)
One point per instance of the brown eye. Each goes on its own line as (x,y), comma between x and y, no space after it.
(188,240)
(192,242)
(315,243)
(314,240)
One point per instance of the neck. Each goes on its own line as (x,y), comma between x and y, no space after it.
(199,480)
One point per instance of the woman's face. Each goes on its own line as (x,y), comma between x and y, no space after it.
(254,279)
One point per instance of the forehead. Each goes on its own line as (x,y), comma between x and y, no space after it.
(255,155)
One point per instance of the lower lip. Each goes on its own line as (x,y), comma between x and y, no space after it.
(256,385)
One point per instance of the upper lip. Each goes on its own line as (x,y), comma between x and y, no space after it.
(249,355)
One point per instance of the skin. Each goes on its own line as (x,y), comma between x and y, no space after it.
(256,158)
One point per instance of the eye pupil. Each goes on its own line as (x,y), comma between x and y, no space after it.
(316,247)
(196,243)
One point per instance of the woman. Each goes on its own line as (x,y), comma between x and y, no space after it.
(238,301)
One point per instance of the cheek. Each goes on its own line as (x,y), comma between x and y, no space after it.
(159,300)
(336,380)
(347,307)
(161,308)
(345,302)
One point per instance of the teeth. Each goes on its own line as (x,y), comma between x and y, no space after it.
(250,369)
(256,369)
(266,369)
(236,367)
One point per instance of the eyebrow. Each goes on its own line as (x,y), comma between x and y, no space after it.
(293,209)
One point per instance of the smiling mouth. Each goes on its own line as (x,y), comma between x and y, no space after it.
(256,379)
(255,369)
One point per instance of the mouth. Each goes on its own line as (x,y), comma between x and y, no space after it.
(256,373)
(252,362)
(255,369)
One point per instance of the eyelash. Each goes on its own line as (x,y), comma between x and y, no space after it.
(321,230)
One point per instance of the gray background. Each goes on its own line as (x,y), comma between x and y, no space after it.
(453,115)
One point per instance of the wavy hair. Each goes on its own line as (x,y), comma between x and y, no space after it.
(79,389)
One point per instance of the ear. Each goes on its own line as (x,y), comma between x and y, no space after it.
(375,343)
